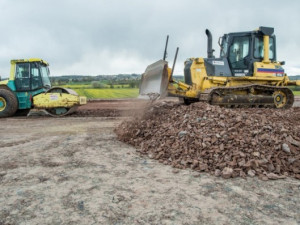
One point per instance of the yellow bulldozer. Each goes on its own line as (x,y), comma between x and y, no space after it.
(247,74)
(29,87)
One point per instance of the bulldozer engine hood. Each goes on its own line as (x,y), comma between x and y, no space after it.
(217,67)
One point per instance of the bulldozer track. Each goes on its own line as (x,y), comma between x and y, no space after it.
(261,100)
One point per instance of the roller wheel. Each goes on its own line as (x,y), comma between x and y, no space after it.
(283,99)
(8,103)
(280,99)
(61,111)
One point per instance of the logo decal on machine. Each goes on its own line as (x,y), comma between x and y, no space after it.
(262,70)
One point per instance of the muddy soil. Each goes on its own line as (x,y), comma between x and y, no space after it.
(73,170)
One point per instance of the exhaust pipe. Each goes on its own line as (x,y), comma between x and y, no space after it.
(210,51)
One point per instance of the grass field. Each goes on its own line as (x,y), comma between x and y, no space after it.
(118,91)
(108,93)
(296,92)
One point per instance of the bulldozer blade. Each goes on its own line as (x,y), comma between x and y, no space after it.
(155,80)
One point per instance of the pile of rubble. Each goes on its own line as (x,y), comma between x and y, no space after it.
(224,142)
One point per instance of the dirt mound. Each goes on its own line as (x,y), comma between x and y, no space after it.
(223,142)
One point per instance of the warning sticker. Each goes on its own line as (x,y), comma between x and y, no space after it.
(53,97)
(219,63)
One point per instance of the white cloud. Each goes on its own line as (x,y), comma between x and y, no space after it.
(103,62)
(108,36)
(291,71)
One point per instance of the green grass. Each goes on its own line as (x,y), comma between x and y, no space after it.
(108,93)
(104,93)
(296,92)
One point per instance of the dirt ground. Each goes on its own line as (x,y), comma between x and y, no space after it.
(72,170)
(112,108)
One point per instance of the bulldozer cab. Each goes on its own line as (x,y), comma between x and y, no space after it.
(31,76)
(242,49)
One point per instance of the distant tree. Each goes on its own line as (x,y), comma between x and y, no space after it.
(295,77)
(132,84)
(97,84)
(137,83)
(61,82)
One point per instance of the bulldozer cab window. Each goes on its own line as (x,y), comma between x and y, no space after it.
(22,78)
(238,51)
(259,48)
(224,46)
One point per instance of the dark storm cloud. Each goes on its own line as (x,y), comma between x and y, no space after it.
(110,36)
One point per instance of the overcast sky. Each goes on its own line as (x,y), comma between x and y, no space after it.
(124,36)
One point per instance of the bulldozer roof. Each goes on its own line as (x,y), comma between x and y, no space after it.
(29,60)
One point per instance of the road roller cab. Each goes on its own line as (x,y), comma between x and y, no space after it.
(29,87)
(27,79)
